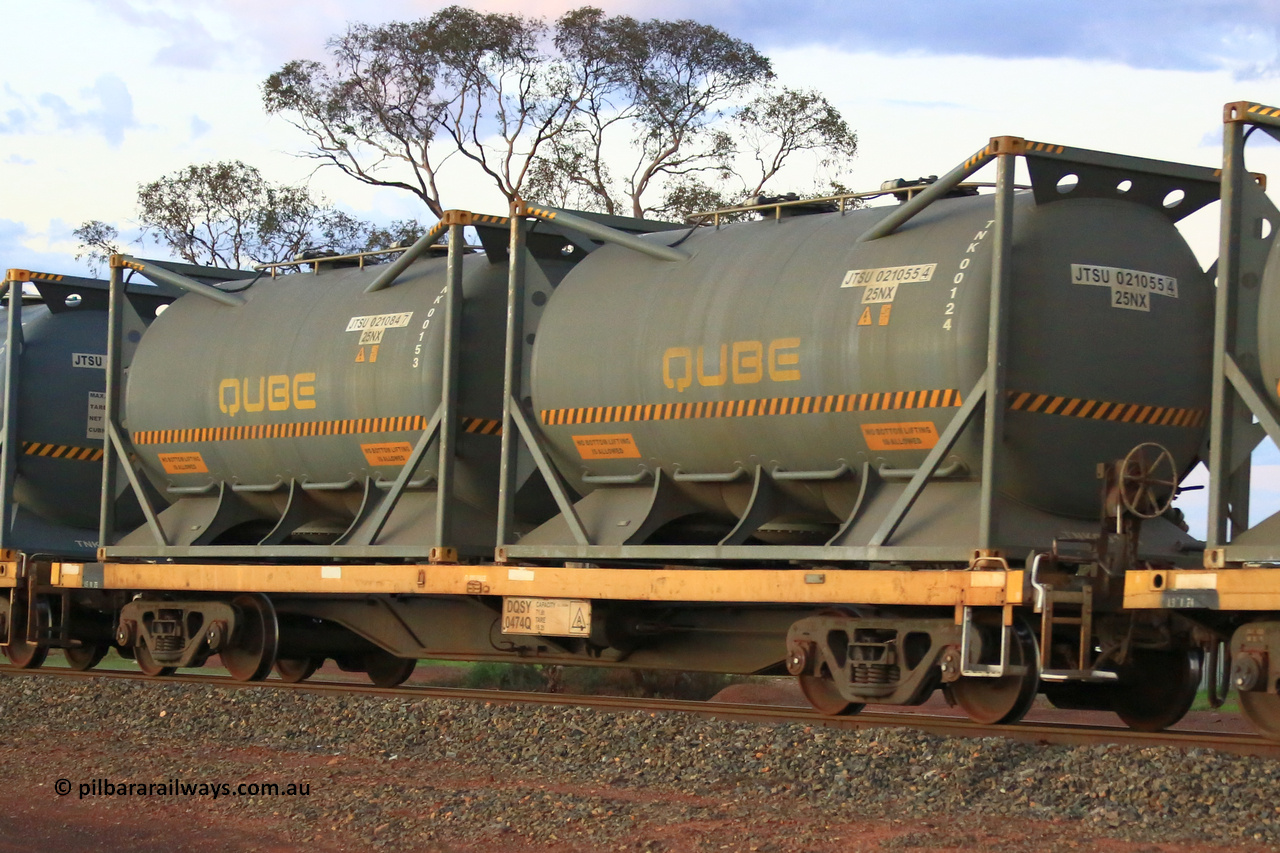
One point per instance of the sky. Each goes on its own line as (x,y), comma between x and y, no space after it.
(99,96)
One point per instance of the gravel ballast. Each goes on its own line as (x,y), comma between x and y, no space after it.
(454,775)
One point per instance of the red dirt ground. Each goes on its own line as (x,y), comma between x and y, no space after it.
(33,817)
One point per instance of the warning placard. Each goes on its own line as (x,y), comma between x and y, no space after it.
(549,617)
(97,416)
(617,446)
(388,453)
(920,435)
(183,463)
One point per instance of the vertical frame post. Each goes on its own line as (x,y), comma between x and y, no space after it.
(512,376)
(993,426)
(449,388)
(12,443)
(1222,404)
(115,321)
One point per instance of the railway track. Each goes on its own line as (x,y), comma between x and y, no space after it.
(1037,732)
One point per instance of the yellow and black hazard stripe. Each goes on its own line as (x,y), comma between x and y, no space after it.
(62,451)
(482,426)
(982,154)
(307,429)
(872,402)
(1022,401)
(45,276)
(1101,410)
(1043,148)
(1259,109)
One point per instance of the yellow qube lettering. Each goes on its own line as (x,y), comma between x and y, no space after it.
(304,391)
(748,362)
(682,381)
(779,356)
(261,404)
(722,370)
(277,393)
(741,362)
(232,405)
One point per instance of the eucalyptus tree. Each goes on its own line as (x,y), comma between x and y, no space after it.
(226,214)
(602,112)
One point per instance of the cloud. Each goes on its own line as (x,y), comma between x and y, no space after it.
(16,118)
(199,127)
(21,248)
(19,160)
(1240,36)
(14,121)
(111,116)
(191,45)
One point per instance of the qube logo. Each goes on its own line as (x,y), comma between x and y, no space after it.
(741,362)
(275,393)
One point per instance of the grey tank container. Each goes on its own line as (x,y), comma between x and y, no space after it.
(315,389)
(61,412)
(625,330)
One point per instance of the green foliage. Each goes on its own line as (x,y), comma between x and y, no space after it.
(783,122)
(227,215)
(596,681)
(98,241)
(609,113)
(477,81)
(505,676)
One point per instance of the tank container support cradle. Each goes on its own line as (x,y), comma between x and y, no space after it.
(1048,166)
(442,427)
(1240,571)
(514,417)
(10,444)
(10,562)
(1238,394)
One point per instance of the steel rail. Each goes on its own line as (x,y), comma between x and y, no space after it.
(1067,734)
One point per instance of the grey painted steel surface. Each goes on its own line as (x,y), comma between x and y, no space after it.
(9,428)
(298,358)
(1246,357)
(59,414)
(774,288)
(60,386)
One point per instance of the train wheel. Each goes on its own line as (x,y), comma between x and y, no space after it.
(996,701)
(1157,688)
(252,651)
(21,652)
(1262,710)
(85,657)
(147,664)
(825,697)
(387,670)
(293,670)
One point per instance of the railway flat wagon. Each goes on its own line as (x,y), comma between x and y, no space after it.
(887,448)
